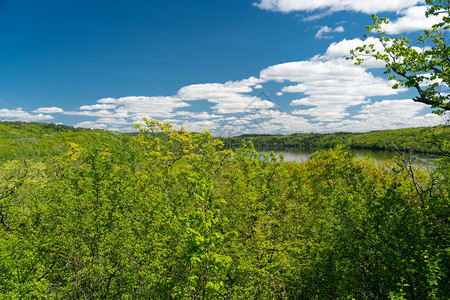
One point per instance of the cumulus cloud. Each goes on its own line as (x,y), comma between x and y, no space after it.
(373,6)
(91,125)
(120,113)
(49,110)
(228,98)
(202,115)
(400,109)
(411,15)
(98,106)
(388,114)
(298,88)
(200,126)
(251,82)
(287,123)
(331,86)
(211,91)
(324,113)
(270,122)
(339,50)
(113,121)
(99,113)
(342,48)
(412,19)
(323,32)
(141,106)
(19,114)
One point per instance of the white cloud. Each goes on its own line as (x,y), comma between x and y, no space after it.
(324,113)
(331,86)
(312,70)
(91,125)
(353,125)
(342,49)
(372,6)
(228,97)
(107,100)
(239,122)
(208,91)
(201,116)
(19,114)
(141,106)
(200,126)
(120,113)
(299,88)
(288,123)
(98,106)
(322,33)
(339,50)
(412,16)
(390,114)
(387,109)
(413,19)
(99,113)
(252,81)
(268,122)
(49,110)
(114,121)
(262,121)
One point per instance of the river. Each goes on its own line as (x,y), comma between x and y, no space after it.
(301,154)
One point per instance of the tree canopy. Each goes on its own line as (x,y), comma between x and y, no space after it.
(169,214)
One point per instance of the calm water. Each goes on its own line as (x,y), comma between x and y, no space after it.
(299,154)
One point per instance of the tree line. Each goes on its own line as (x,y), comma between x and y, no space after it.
(418,139)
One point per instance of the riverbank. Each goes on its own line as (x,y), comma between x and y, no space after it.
(417,140)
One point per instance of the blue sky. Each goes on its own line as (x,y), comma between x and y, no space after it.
(230,67)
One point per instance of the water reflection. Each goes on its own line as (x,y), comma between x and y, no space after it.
(301,154)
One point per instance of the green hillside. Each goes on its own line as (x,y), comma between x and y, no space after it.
(37,140)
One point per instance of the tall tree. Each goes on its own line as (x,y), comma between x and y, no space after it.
(422,64)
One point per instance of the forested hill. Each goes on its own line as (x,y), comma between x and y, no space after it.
(420,139)
(35,140)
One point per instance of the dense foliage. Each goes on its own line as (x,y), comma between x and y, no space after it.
(419,139)
(37,140)
(167,214)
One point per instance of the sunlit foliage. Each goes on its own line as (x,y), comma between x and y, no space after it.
(169,214)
